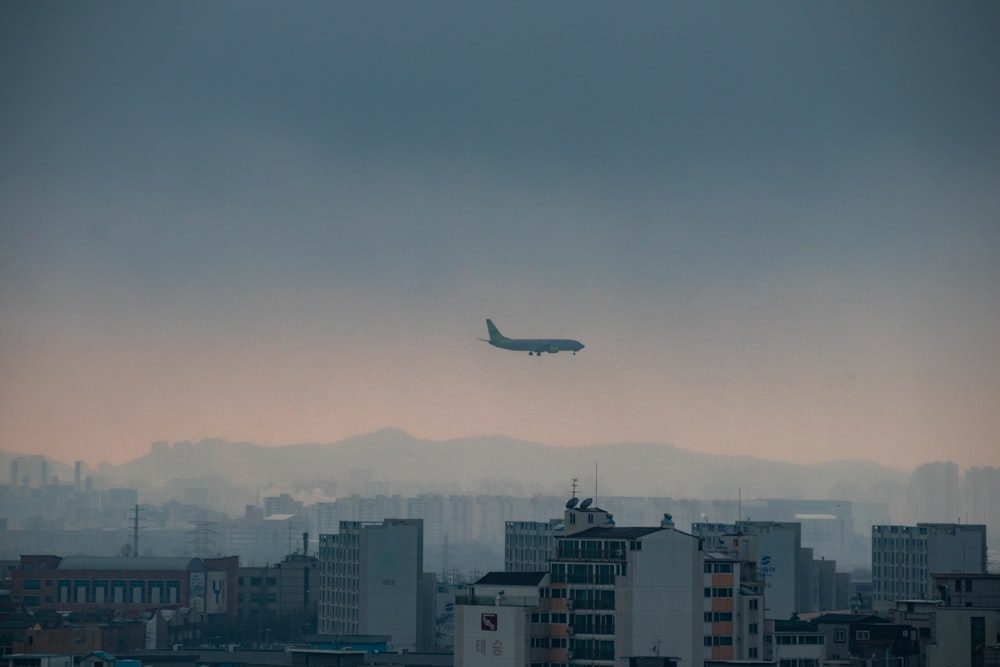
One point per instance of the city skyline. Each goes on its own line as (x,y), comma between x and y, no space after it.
(773,227)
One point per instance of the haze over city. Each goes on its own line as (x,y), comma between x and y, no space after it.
(774,226)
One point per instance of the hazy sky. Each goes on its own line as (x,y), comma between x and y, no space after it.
(775,225)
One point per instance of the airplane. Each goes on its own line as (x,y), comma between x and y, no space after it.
(530,345)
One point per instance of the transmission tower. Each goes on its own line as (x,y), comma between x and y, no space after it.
(203,539)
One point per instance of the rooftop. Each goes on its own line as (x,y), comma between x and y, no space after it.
(146,564)
(512,578)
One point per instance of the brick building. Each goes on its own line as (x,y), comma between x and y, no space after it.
(127,586)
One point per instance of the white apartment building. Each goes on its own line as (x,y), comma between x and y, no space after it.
(371,581)
(905,557)
(630,594)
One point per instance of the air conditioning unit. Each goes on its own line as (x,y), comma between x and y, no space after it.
(569,604)
(569,655)
(570,631)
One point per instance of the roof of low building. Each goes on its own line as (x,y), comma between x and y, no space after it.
(101,655)
(848,618)
(512,578)
(143,563)
(613,533)
(794,626)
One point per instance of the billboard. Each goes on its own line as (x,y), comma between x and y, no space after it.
(215,592)
(198,591)
(493,636)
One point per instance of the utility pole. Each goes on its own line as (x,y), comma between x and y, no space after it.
(135,532)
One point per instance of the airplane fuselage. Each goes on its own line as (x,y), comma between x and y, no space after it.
(531,345)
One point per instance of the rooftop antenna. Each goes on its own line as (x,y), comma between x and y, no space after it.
(595,479)
(571,503)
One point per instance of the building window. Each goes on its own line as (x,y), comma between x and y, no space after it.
(753,603)
(753,628)
(861,635)
(173,592)
(753,652)
(840,635)
(81,590)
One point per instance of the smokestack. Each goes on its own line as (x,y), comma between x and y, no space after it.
(305,544)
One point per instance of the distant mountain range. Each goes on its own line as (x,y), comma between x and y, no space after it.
(391,461)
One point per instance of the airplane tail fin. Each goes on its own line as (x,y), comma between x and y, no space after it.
(495,335)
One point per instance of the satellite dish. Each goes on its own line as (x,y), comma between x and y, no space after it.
(571,503)
(586,503)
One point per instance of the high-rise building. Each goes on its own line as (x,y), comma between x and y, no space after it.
(981,498)
(529,545)
(905,557)
(628,593)
(372,582)
(934,493)
(283,504)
